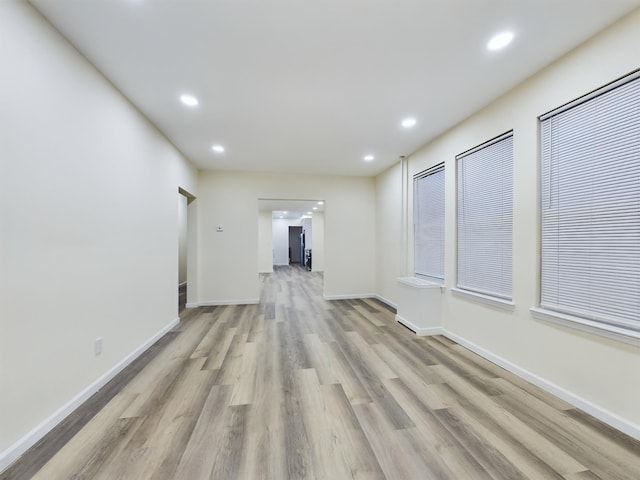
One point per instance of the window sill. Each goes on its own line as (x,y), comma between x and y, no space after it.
(417,282)
(589,326)
(486,299)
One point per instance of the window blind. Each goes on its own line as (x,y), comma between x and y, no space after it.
(485,217)
(591,207)
(428,189)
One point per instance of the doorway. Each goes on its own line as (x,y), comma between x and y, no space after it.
(275,216)
(184,239)
(296,245)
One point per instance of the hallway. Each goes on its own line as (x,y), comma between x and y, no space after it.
(297,387)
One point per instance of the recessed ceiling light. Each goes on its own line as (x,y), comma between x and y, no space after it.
(500,40)
(218,148)
(368,158)
(189,100)
(285,212)
(409,122)
(315,208)
(309,213)
(321,203)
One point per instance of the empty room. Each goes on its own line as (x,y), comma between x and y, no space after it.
(320,240)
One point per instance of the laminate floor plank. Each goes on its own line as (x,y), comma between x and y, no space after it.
(389,446)
(231,443)
(402,342)
(385,314)
(211,338)
(33,460)
(471,366)
(373,386)
(166,429)
(215,448)
(229,371)
(203,448)
(352,446)
(369,355)
(500,374)
(571,438)
(435,467)
(298,388)
(433,435)
(488,455)
(113,466)
(160,374)
(586,475)
(508,432)
(603,446)
(75,456)
(597,427)
(315,418)
(372,315)
(495,418)
(351,383)
(361,324)
(257,329)
(264,447)
(218,352)
(405,366)
(291,344)
(331,367)
(109,451)
(244,388)
(527,459)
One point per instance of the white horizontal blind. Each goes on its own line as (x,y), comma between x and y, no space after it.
(485,217)
(591,208)
(428,212)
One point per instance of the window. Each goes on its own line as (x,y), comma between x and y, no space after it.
(428,214)
(485,213)
(591,208)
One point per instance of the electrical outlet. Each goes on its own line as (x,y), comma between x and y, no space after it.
(97,346)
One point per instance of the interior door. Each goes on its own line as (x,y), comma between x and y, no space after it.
(294,244)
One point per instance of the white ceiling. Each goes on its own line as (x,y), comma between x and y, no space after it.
(290,209)
(311,86)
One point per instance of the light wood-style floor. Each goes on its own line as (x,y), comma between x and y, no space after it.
(300,388)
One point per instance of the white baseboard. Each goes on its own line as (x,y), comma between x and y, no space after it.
(598,412)
(354,296)
(21,446)
(214,303)
(420,331)
(386,301)
(265,271)
(361,296)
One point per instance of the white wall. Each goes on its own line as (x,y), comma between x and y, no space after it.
(265,242)
(182,239)
(281,239)
(317,234)
(89,222)
(307,228)
(280,235)
(599,374)
(192,252)
(228,269)
(389,232)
